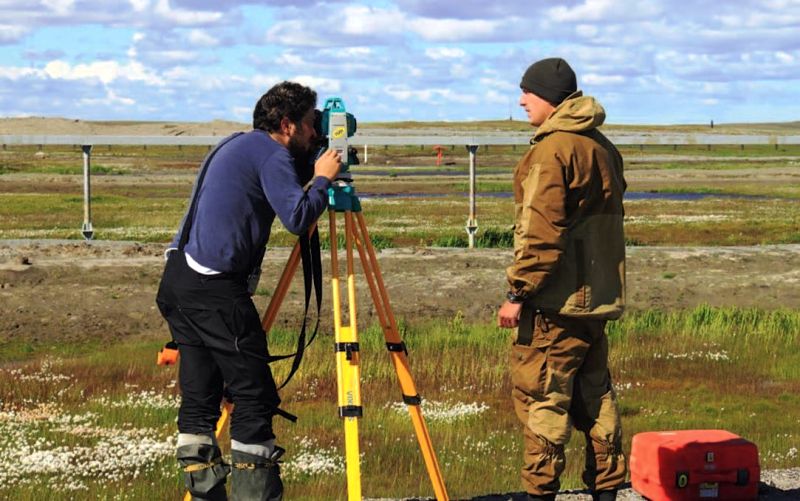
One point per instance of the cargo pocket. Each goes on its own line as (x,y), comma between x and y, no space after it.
(249,336)
(528,363)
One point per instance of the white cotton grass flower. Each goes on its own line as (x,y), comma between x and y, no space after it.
(46,373)
(713,356)
(40,440)
(620,387)
(309,459)
(146,399)
(444,411)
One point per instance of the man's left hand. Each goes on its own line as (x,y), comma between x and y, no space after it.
(508,316)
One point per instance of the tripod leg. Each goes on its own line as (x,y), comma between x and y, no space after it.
(281,289)
(283,285)
(348,371)
(399,356)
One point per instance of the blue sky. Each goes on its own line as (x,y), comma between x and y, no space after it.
(647,61)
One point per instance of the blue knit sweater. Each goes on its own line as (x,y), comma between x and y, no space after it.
(248,182)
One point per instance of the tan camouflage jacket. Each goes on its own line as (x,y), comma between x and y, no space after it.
(569,247)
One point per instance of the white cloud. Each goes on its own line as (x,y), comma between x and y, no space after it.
(290,58)
(362,20)
(111,99)
(15,73)
(104,71)
(11,33)
(434,95)
(494,97)
(595,79)
(452,30)
(437,53)
(59,7)
(139,5)
(296,33)
(354,52)
(607,10)
(178,73)
(586,30)
(185,17)
(171,57)
(785,57)
(319,84)
(498,83)
(200,38)
(460,71)
(414,71)
(263,82)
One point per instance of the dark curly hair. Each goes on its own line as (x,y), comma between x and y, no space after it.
(286,99)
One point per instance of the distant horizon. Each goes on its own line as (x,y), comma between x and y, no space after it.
(648,62)
(380,122)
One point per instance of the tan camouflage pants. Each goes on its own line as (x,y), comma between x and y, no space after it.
(560,378)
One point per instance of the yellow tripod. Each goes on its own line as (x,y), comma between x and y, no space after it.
(348,358)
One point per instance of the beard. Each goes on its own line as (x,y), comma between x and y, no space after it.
(297,147)
(303,158)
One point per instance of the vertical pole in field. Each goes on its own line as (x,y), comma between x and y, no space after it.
(87,231)
(472,222)
(366,154)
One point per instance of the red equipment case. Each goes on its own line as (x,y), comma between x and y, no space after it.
(694,465)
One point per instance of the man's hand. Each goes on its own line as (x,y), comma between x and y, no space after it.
(328,164)
(508,316)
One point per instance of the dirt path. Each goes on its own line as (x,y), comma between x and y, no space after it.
(71,291)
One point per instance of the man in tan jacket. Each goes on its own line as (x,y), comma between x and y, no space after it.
(567,280)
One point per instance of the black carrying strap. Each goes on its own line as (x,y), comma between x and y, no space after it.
(525,327)
(312,276)
(186,224)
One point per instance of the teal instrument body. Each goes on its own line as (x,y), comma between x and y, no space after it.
(338,125)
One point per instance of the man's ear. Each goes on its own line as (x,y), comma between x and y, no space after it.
(286,126)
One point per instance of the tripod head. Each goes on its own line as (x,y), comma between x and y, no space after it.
(333,126)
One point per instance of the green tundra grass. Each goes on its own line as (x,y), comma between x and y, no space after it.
(140,194)
(93,422)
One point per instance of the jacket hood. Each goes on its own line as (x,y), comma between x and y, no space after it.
(578,113)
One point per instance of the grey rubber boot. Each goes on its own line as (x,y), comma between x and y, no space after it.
(204,472)
(255,478)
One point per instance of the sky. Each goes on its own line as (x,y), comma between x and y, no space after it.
(646,61)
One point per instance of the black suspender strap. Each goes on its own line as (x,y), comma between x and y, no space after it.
(312,276)
(188,219)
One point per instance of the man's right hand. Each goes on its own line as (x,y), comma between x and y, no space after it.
(328,164)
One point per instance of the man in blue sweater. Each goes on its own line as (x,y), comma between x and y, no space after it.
(204,295)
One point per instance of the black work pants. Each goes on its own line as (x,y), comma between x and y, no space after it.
(221,344)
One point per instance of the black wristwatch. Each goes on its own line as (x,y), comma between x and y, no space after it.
(514,298)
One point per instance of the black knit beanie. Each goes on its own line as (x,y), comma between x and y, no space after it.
(551,79)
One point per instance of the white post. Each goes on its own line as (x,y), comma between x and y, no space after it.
(472,222)
(87,231)
(366,154)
